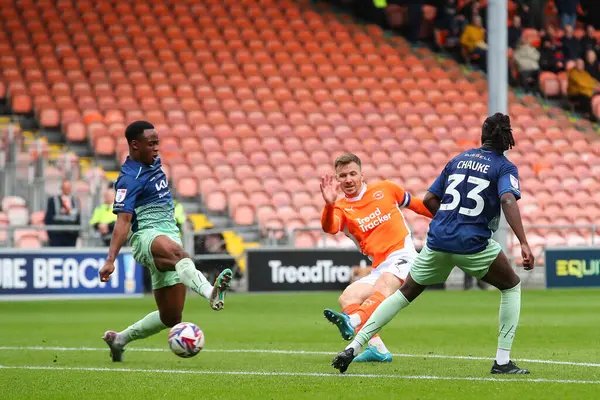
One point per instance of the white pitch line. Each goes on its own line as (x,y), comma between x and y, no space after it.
(299,374)
(301,352)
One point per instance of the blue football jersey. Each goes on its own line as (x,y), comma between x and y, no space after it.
(470,187)
(143,191)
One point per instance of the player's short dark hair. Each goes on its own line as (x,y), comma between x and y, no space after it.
(346,159)
(136,129)
(497,132)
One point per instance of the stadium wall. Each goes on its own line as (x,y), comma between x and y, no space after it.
(294,269)
(572,267)
(66,273)
(73,273)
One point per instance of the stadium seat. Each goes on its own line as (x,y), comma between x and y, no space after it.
(10,202)
(187,187)
(244,215)
(4,222)
(216,201)
(18,215)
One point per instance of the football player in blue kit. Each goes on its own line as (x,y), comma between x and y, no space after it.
(466,200)
(144,206)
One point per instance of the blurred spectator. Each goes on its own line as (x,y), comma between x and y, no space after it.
(515,32)
(473,42)
(453,41)
(548,59)
(473,9)
(415,18)
(581,87)
(527,59)
(567,12)
(210,244)
(448,27)
(524,12)
(591,64)
(549,33)
(532,13)
(63,209)
(591,12)
(213,245)
(571,47)
(103,220)
(589,42)
(445,18)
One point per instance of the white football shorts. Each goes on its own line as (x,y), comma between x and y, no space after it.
(397,263)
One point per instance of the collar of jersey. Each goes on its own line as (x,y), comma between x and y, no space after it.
(138,164)
(134,163)
(489,150)
(360,195)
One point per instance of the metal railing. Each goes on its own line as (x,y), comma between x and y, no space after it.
(28,179)
(293,233)
(89,239)
(593,238)
(594,232)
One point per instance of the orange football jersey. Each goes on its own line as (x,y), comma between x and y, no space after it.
(374,219)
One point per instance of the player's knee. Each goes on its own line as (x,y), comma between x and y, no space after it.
(513,281)
(346,299)
(388,284)
(170,319)
(180,254)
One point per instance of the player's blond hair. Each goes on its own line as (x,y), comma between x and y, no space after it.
(346,159)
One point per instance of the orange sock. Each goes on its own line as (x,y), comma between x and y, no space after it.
(368,307)
(351,308)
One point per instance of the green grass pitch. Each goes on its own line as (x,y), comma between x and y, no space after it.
(53,350)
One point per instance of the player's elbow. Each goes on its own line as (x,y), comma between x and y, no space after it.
(329,229)
(329,226)
(431,202)
(508,199)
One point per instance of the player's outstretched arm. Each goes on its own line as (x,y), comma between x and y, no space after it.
(331,219)
(418,205)
(513,217)
(432,202)
(119,237)
(405,199)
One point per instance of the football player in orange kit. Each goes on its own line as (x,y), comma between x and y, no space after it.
(370,214)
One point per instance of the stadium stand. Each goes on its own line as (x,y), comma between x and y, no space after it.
(254,99)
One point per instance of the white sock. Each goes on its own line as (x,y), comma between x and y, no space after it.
(355,346)
(377,342)
(193,278)
(502,356)
(355,320)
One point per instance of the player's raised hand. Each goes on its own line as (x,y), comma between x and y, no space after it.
(329,188)
(106,271)
(528,258)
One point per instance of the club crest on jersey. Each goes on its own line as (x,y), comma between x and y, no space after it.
(514,182)
(378,195)
(120,196)
(161,185)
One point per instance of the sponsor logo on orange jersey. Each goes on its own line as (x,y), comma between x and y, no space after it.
(378,195)
(372,220)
